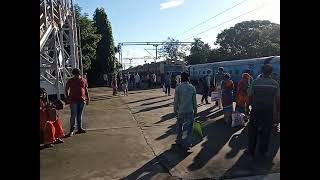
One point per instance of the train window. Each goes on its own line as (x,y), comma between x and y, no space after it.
(237,72)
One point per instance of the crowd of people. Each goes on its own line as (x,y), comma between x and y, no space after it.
(77,95)
(134,81)
(261,94)
(258,99)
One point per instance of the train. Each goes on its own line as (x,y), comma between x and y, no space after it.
(198,71)
(234,67)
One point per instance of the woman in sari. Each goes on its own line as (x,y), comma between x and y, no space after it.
(50,123)
(242,93)
(227,87)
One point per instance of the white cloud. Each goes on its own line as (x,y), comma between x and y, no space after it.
(171,4)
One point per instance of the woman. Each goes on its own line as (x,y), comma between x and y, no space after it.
(50,123)
(227,87)
(242,93)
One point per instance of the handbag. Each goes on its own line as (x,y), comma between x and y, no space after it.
(197,129)
(215,96)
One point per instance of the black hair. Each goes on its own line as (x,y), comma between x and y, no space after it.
(266,69)
(43,91)
(184,77)
(220,69)
(75,71)
(227,75)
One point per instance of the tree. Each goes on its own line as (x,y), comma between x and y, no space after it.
(89,38)
(173,51)
(250,39)
(198,53)
(105,63)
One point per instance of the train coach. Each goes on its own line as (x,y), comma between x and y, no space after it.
(234,67)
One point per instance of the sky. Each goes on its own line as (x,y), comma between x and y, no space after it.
(155,20)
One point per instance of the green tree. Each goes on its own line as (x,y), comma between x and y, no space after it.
(105,58)
(89,38)
(198,53)
(250,39)
(173,51)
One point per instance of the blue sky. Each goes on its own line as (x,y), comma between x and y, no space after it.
(155,20)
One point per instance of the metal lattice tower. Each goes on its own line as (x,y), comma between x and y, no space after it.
(58,44)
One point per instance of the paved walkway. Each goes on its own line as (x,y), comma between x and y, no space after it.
(130,138)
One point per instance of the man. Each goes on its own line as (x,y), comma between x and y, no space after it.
(77,94)
(105,78)
(185,107)
(219,79)
(154,80)
(149,80)
(167,83)
(264,93)
(131,80)
(178,79)
(125,85)
(206,87)
(137,80)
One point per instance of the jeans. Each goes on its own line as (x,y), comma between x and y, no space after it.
(76,113)
(168,88)
(185,124)
(205,94)
(260,126)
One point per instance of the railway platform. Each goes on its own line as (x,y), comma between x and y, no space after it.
(131,137)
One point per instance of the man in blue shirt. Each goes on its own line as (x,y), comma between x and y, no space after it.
(167,83)
(206,87)
(185,107)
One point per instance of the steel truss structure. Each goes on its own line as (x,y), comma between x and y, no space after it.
(155,44)
(58,44)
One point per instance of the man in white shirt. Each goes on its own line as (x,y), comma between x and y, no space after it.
(137,80)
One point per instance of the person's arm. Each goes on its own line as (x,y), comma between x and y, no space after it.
(176,102)
(278,100)
(194,102)
(67,90)
(87,94)
(250,94)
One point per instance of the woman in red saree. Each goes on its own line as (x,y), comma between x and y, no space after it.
(242,93)
(50,123)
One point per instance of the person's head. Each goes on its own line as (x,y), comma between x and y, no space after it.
(266,70)
(43,93)
(246,76)
(220,69)
(76,72)
(58,104)
(227,76)
(208,72)
(168,73)
(184,77)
